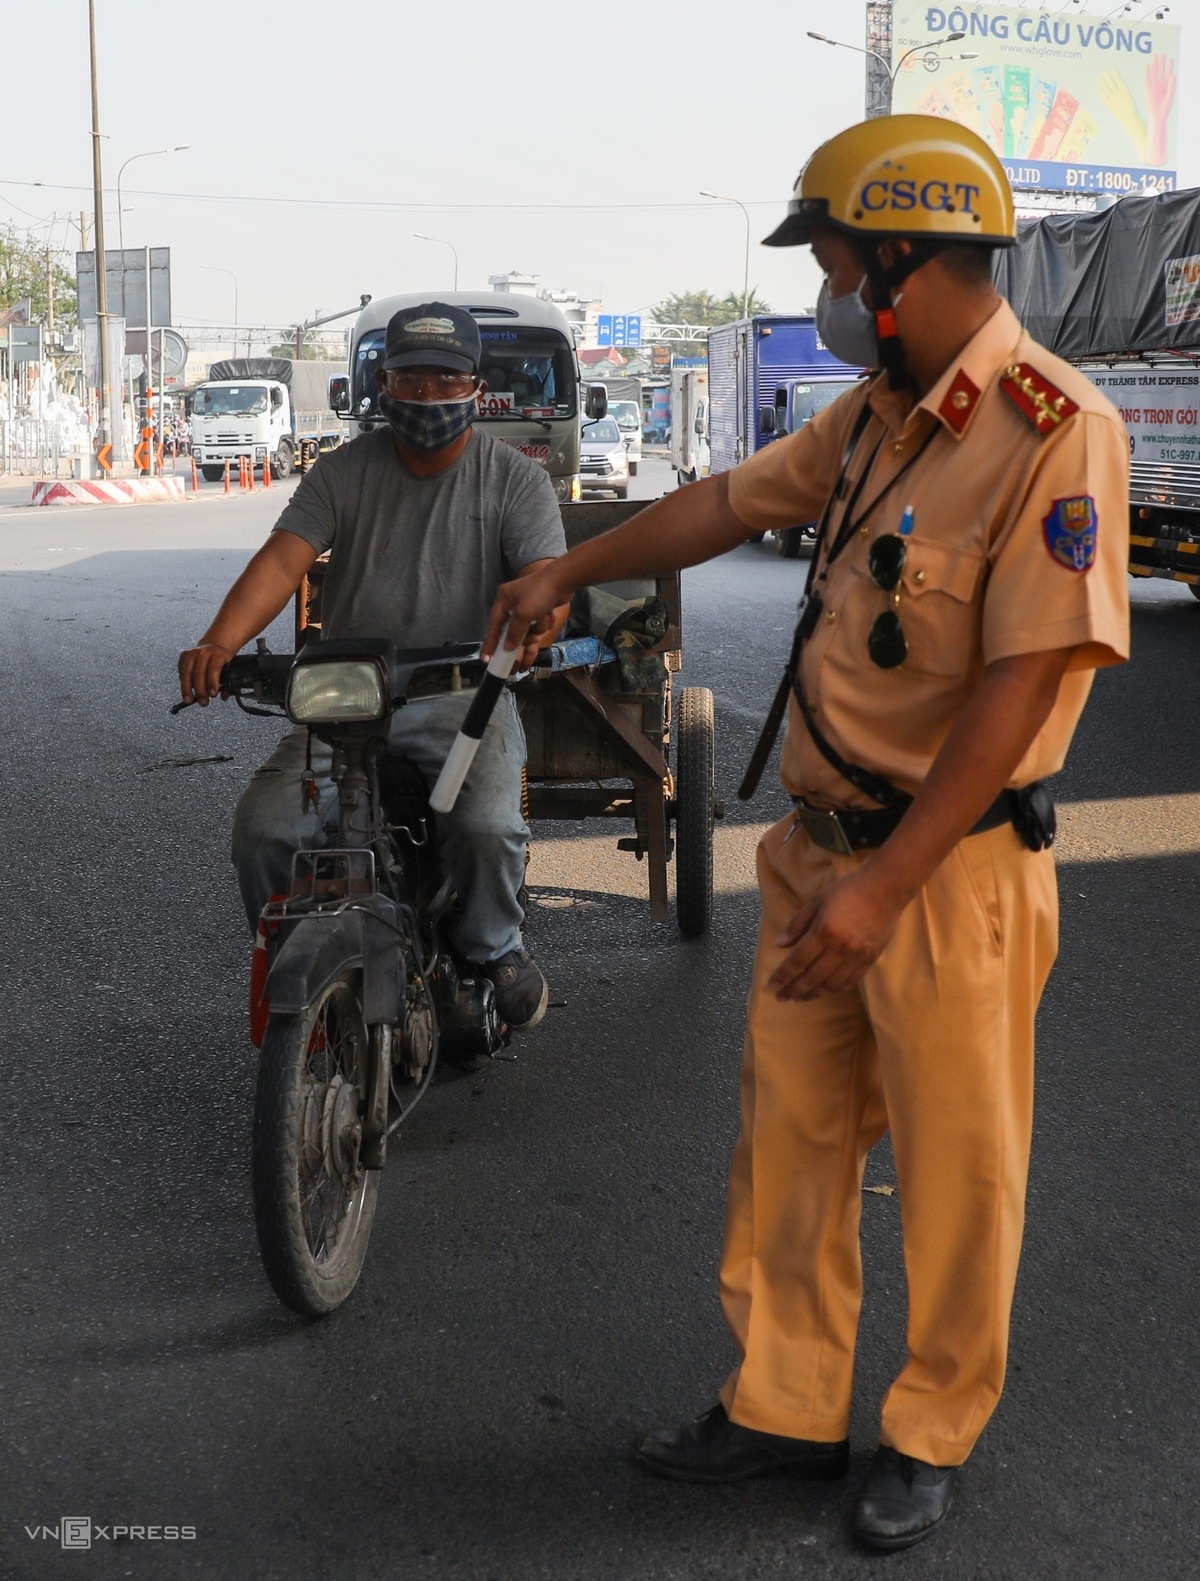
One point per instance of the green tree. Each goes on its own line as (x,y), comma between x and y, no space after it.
(702,307)
(309,351)
(26,268)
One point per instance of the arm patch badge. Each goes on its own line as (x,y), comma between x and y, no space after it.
(1070,532)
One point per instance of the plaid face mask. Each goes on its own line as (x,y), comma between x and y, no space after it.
(428,425)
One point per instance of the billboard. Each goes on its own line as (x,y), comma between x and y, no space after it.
(1070,102)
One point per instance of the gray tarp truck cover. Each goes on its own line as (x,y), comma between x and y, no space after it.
(1114,284)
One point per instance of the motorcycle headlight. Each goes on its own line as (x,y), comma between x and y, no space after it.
(339,689)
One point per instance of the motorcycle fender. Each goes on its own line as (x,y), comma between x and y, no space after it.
(319,950)
(316,952)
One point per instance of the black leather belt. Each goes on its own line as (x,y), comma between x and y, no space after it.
(849,829)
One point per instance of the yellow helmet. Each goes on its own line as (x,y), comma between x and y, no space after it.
(916,176)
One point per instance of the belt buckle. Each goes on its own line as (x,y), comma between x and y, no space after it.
(824,828)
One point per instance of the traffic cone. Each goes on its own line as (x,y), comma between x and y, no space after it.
(266,472)
(250,473)
(195,477)
(227,474)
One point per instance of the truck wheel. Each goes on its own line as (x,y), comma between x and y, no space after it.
(788,541)
(212,474)
(281,466)
(695,788)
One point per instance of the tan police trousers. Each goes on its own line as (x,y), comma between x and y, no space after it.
(935,1045)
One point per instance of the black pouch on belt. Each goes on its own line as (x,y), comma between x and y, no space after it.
(1034,819)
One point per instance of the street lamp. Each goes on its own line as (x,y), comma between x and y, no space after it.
(890,71)
(221,270)
(444,243)
(149,153)
(720,198)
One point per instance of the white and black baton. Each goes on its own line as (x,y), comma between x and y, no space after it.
(466,742)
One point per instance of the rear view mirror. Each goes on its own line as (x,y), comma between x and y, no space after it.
(596,401)
(339,393)
(766,420)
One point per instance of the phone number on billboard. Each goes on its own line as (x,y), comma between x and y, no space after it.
(1088,178)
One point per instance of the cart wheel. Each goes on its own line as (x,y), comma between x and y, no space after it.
(695,756)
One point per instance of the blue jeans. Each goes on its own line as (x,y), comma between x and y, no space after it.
(483,840)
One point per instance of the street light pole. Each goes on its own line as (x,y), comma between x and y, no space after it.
(221,270)
(104,427)
(720,198)
(444,243)
(149,154)
(931,46)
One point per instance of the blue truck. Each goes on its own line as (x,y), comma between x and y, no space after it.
(766,377)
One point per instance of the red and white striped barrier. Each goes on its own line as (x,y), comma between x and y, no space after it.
(106,491)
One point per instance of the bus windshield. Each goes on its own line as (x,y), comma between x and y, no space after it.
(533,368)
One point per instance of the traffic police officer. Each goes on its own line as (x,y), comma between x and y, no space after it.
(969,578)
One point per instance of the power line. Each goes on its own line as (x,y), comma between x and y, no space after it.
(371,205)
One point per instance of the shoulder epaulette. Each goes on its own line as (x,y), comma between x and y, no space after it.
(1039,402)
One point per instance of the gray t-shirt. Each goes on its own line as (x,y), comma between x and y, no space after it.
(419,559)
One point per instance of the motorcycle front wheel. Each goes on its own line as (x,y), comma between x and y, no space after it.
(313,1199)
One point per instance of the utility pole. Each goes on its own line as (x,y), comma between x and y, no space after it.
(49,292)
(83,246)
(104,428)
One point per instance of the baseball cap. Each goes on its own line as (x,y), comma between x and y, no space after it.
(433,335)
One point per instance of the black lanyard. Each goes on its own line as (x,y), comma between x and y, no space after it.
(851,523)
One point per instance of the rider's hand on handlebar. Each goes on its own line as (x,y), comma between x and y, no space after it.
(200,672)
(533,607)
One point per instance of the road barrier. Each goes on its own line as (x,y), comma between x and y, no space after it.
(107,491)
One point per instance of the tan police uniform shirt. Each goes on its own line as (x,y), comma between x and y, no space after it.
(1019,545)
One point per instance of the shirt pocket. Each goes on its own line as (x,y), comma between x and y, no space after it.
(939,606)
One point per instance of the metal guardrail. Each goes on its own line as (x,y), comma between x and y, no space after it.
(32,447)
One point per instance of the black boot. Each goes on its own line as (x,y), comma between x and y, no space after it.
(714,1449)
(902,1500)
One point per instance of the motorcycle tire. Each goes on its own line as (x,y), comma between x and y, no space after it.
(314,1202)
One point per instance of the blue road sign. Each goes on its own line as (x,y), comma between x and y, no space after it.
(619,329)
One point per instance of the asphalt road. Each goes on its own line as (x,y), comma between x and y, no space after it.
(541,1278)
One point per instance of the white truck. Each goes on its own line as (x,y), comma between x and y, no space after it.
(272,410)
(689,424)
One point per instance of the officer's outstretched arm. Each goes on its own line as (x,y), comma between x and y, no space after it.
(694,524)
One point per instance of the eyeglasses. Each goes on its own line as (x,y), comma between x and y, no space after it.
(406,384)
(886,643)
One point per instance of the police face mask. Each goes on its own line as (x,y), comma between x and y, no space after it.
(847,326)
(428,425)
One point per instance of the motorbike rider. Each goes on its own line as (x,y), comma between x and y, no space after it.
(969,578)
(422,520)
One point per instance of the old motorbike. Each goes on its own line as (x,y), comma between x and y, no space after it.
(356,990)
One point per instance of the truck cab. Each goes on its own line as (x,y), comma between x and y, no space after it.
(532,401)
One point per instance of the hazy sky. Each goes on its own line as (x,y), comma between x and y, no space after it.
(568,140)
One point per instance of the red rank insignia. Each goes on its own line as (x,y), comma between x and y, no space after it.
(1038,401)
(961,398)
